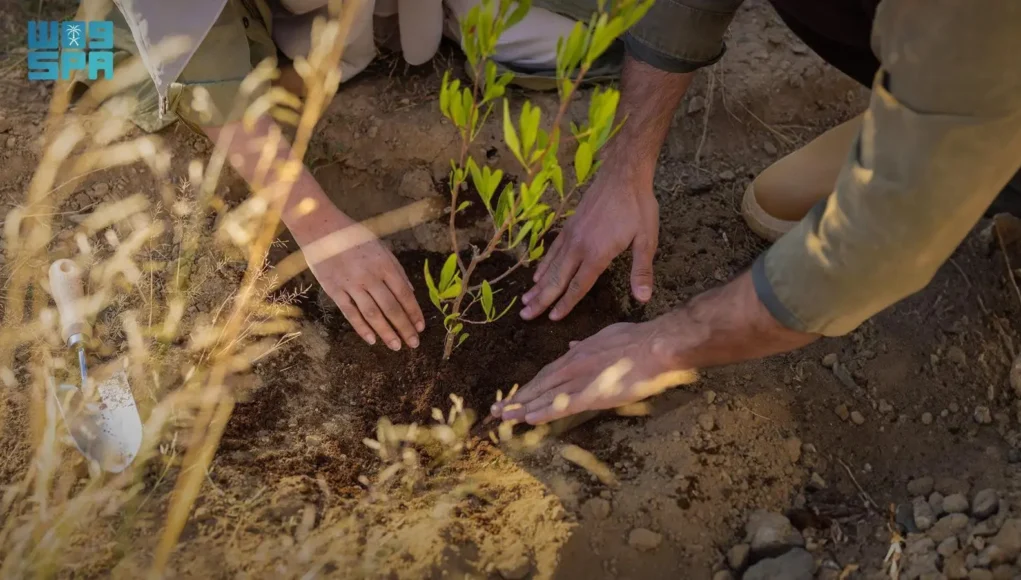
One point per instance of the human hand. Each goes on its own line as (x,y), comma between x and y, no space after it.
(369,286)
(622,364)
(616,212)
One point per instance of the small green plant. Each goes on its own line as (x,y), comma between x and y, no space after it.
(520,218)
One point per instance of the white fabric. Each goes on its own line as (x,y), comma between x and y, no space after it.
(531,43)
(292,34)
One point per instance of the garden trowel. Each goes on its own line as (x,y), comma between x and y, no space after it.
(101,416)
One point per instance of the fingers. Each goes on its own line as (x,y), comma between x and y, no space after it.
(643,251)
(552,284)
(374,316)
(402,289)
(351,313)
(383,295)
(550,377)
(580,284)
(551,255)
(572,399)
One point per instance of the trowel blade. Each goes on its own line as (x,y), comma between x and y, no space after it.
(107,431)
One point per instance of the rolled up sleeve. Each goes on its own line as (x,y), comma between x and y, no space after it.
(681,35)
(941,137)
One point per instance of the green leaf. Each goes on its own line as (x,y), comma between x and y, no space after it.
(460,340)
(505,310)
(457,328)
(510,135)
(557,177)
(503,206)
(434,295)
(583,161)
(536,252)
(519,13)
(452,291)
(534,191)
(530,118)
(447,274)
(445,95)
(477,175)
(487,299)
(521,234)
(463,206)
(535,211)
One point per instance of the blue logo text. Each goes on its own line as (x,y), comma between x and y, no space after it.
(57,49)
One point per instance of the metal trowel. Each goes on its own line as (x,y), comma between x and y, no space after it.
(101,416)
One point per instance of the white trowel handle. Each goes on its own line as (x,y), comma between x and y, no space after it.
(66,287)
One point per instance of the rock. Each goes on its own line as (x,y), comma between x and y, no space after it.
(5,125)
(947,526)
(816,482)
(796,564)
(954,407)
(793,448)
(986,503)
(950,486)
(100,190)
(920,486)
(957,356)
(596,508)
(771,534)
(857,418)
(936,502)
(905,518)
(954,567)
(923,514)
(710,397)
(1003,572)
(986,528)
(737,557)
(644,540)
(982,415)
(829,360)
(417,184)
(926,418)
(706,421)
(727,175)
(955,504)
(948,546)
(885,407)
(769,148)
(842,412)
(920,557)
(723,575)
(1004,546)
(798,48)
(980,574)
(696,104)
(515,569)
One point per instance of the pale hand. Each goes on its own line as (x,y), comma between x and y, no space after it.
(622,364)
(616,212)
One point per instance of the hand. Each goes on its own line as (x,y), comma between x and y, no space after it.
(622,364)
(618,211)
(370,287)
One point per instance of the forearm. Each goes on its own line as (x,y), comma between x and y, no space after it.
(723,326)
(649,97)
(307,211)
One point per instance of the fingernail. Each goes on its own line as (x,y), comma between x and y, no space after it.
(413,342)
(526,298)
(494,410)
(526,313)
(394,344)
(369,338)
(555,315)
(643,293)
(420,326)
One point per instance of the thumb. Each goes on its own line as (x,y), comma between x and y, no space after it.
(642,252)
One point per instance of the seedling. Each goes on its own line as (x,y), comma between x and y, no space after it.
(519,216)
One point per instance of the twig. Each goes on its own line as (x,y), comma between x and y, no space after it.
(710,93)
(1006,261)
(865,495)
(967,280)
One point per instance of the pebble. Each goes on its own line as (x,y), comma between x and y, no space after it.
(727,175)
(954,407)
(885,407)
(696,104)
(857,418)
(517,567)
(816,482)
(842,412)
(706,421)
(723,575)
(926,418)
(829,360)
(710,397)
(982,415)
(771,534)
(644,540)
(100,190)
(920,486)
(1004,546)
(596,508)
(948,546)
(948,526)
(955,504)
(936,501)
(769,148)
(951,485)
(905,518)
(737,557)
(924,516)
(793,448)
(417,184)
(980,574)
(957,356)
(986,503)
(796,564)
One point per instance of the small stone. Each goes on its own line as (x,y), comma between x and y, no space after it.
(706,421)
(596,508)
(954,567)
(5,125)
(737,557)
(771,534)
(798,48)
(944,413)
(957,356)
(1003,572)
(926,418)
(514,566)
(710,397)
(857,418)
(644,540)
(951,485)
(986,528)
(809,448)
(885,407)
(980,574)
(1004,546)
(829,360)
(796,564)
(954,407)
(769,148)
(100,190)
(793,448)
(1014,455)
(920,486)
(842,412)
(948,526)
(982,415)
(955,504)
(727,175)
(948,546)
(986,503)
(723,575)
(924,517)
(696,104)
(936,501)
(816,482)
(417,184)
(905,518)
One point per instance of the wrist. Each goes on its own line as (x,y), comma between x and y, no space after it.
(677,338)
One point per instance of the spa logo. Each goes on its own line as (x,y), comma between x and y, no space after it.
(57,49)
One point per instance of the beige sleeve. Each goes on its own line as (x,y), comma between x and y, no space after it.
(941,137)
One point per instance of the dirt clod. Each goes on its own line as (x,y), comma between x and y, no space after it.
(921,486)
(986,503)
(797,564)
(644,540)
